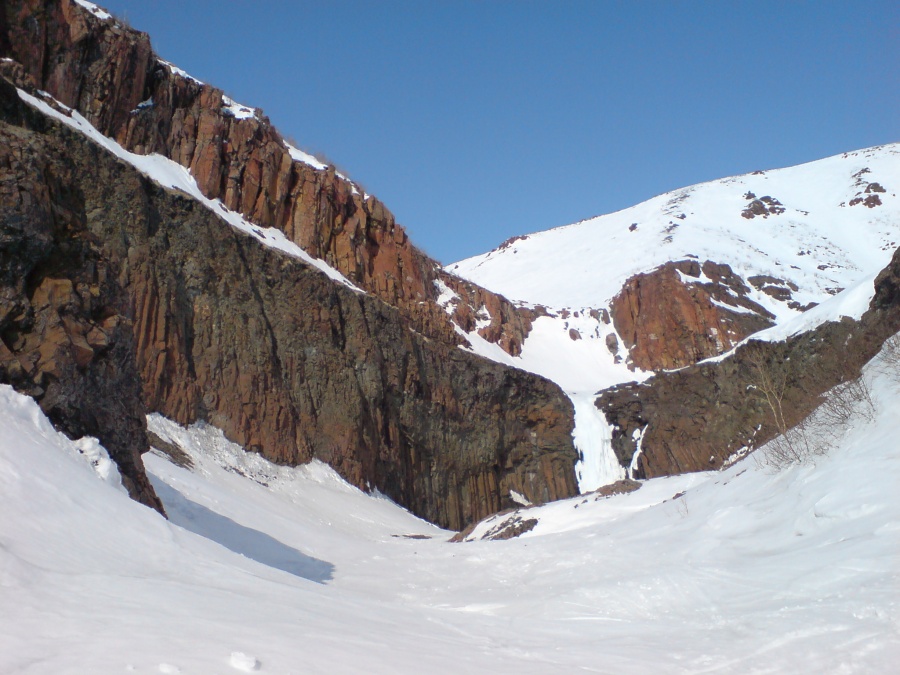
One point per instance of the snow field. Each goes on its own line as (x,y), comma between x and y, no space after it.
(747,571)
(819,242)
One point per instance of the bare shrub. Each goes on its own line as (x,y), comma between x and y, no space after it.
(821,431)
(848,400)
(769,382)
(890,358)
(797,445)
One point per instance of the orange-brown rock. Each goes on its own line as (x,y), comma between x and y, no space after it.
(109,73)
(507,325)
(670,318)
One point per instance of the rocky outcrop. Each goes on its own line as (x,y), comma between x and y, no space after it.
(683,312)
(490,315)
(66,338)
(695,418)
(109,73)
(287,362)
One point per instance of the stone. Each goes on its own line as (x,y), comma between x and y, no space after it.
(695,418)
(667,323)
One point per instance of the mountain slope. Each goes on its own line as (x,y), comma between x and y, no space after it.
(222,268)
(688,275)
(819,226)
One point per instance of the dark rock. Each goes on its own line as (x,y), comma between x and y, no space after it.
(173,452)
(286,362)
(620,487)
(512,528)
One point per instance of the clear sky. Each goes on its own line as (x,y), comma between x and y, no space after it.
(476,120)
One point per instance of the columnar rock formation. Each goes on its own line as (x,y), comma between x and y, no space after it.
(224,329)
(66,337)
(110,74)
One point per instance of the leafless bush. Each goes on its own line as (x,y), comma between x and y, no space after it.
(845,402)
(890,358)
(797,445)
(819,432)
(770,383)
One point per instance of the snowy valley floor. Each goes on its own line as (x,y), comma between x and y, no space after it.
(277,570)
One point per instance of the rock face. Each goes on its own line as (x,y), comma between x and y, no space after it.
(109,73)
(66,338)
(695,418)
(683,312)
(284,360)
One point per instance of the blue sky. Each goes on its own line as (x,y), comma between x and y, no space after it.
(477,120)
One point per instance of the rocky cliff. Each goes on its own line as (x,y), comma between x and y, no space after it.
(66,337)
(257,342)
(695,418)
(683,312)
(110,74)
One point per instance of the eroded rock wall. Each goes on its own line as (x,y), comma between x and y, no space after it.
(695,418)
(289,363)
(66,337)
(683,312)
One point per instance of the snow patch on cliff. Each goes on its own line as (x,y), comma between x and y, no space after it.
(100,13)
(237,110)
(172,175)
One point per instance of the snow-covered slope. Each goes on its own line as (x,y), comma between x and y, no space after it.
(283,570)
(812,227)
(815,238)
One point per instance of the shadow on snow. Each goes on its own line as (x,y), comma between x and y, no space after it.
(248,542)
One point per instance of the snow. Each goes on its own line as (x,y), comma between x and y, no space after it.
(101,14)
(851,303)
(98,458)
(562,267)
(178,71)
(446,295)
(172,175)
(746,571)
(237,110)
(300,156)
(244,662)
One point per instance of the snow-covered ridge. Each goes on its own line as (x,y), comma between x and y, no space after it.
(824,239)
(170,174)
(808,226)
(99,12)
